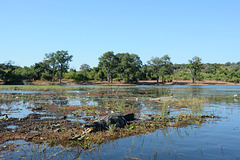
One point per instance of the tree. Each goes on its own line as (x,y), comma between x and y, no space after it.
(7,73)
(51,60)
(25,73)
(161,67)
(129,64)
(40,68)
(85,68)
(155,65)
(109,63)
(166,67)
(120,69)
(195,66)
(228,64)
(144,72)
(10,65)
(97,74)
(2,74)
(63,58)
(215,67)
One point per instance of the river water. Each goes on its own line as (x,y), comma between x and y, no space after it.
(214,139)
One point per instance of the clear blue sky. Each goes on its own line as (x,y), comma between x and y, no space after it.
(209,29)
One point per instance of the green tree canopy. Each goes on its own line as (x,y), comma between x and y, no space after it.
(40,68)
(63,58)
(195,66)
(155,65)
(215,67)
(129,64)
(166,67)
(51,60)
(108,61)
(85,68)
(161,66)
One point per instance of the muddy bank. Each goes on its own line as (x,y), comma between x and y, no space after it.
(34,127)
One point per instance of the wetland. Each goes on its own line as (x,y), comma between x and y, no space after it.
(186,122)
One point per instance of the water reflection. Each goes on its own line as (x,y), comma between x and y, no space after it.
(215,139)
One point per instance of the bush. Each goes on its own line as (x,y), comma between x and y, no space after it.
(208,76)
(181,76)
(70,75)
(46,76)
(80,77)
(234,80)
(100,76)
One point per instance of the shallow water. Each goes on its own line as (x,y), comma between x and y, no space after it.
(214,139)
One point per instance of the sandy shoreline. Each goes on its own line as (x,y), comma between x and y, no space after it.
(142,82)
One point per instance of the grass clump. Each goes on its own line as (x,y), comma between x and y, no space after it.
(195,104)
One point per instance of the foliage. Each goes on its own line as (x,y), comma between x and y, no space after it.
(25,73)
(195,66)
(109,63)
(166,67)
(129,65)
(63,58)
(161,67)
(155,65)
(51,60)
(46,76)
(2,73)
(39,69)
(70,75)
(8,66)
(122,66)
(85,68)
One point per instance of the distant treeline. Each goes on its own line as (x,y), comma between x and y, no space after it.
(119,67)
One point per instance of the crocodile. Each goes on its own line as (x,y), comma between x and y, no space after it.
(118,121)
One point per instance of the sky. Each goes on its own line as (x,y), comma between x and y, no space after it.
(209,29)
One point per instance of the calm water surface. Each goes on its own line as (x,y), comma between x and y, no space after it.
(215,139)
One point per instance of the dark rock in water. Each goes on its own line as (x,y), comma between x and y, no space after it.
(118,121)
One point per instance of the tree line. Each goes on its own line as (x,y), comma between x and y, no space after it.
(119,67)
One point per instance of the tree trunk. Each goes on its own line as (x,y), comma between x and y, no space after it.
(157,79)
(127,78)
(194,76)
(163,79)
(193,79)
(109,77)
(53,74)
(61,75)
